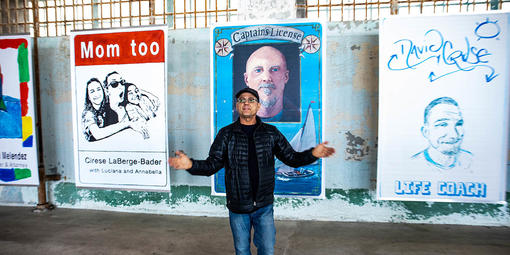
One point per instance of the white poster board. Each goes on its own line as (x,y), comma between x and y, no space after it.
(18,144)
(119,108)
(443,108)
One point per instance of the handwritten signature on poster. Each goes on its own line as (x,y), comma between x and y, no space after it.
(456,57)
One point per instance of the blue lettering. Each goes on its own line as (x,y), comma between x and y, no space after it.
(462,189)
(443,52)
(412,188)
(487,29)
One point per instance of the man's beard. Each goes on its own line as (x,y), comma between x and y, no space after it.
(451,148)
(269,103)
(266,88)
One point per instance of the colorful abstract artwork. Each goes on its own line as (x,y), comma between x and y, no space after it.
(18,158)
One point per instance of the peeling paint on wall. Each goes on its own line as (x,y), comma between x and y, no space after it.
(355,47)
(184,200)
(351,27)
(366,76)
(357,147)
(339,205)
(360,205)
(266,9)
(182,85)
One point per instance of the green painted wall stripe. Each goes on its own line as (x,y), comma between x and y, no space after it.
(67,193)
(417,210)
(24,71)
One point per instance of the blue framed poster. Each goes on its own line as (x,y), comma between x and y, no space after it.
(291,91)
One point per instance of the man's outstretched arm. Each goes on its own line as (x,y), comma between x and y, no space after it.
(207,167)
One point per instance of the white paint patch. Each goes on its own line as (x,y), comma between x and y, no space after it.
(338,209)
(203,207)
(18,196)
(353,28)
(266,9)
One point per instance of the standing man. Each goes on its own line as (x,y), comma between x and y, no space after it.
(443,127)
(267,73)
(246,149)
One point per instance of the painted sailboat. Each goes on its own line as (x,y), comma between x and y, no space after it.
(304,139)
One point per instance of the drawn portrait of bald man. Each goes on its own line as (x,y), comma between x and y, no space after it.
(443,128)
(273,71)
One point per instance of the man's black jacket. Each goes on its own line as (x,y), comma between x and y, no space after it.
(230,150)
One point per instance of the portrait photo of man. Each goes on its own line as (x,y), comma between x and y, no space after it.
(443,127)
(273,71)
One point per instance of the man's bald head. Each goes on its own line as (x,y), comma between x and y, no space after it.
(266,72)
(266,52)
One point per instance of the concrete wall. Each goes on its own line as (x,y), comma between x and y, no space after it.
(351,127)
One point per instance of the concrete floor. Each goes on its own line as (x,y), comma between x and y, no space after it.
(71,231)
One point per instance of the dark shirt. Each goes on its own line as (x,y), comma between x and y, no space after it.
(230,151)
(252,159)
(102,118)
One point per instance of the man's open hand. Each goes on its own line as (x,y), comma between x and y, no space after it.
(322,151)
(181,161)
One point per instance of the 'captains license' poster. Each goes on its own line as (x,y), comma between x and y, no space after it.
(119,108)
(18,147)
(443,108)
(284,63)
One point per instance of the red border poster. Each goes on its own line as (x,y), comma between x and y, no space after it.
(119,108)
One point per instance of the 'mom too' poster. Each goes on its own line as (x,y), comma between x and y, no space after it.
(119,108)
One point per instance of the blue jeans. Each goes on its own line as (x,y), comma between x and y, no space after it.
(264,235)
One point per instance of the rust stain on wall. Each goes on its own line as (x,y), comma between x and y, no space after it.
(184,85)
(69,126)
(189,91)
(58,95)
(366,71)
(366,78)
(333,47)
(347,117)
